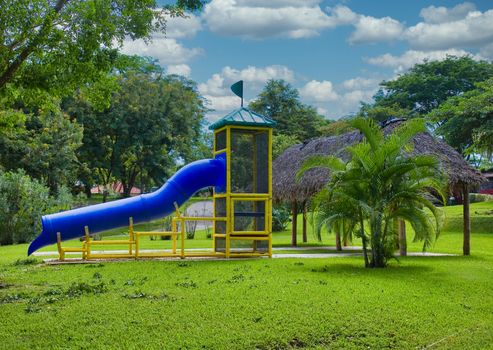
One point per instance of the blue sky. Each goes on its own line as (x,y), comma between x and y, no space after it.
(334,52)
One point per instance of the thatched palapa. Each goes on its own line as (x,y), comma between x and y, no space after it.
(461,176)
(285,167)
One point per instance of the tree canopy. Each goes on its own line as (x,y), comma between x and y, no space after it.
(466,121)
(281,102)
(425,86)
(152,122)
(50,48)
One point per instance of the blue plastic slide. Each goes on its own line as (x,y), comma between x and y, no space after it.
(101,217)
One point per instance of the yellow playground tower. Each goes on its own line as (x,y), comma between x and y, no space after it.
(243,212)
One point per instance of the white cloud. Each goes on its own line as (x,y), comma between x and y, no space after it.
(352,99)
(367,29)
(262,19)
(182,27)
(371,29)
(474,30)
(277,3)
(360,83)
(256,75)
(180,69)
(254,78)
(487,52)
(335,101)
(411,57)
(318,91)
(167,51)
(222,103)
(340,15)
(443,14)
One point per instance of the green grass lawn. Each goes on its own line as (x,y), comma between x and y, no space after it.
(417,302)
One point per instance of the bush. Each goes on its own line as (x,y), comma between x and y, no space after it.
(480,197)
(280,218)
(22,203)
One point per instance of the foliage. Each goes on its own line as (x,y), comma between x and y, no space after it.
(280,218)
(43,143)
(381,113)
(22,203)
(152,122)
(427,85)
(466,121)
(337,127)
(282,142)
(50,48)
(281,102)
(377,187)
(480,197)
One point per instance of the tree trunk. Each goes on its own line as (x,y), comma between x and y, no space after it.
(402,238)
(338,241)
(87,190)
(294,224)
(363,238)
(466,248)
(305,238)
(377,248)
(346,241)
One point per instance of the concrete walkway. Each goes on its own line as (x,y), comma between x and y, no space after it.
(348,252)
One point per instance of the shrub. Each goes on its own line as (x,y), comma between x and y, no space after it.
(280,218)
(482,196)
(22,203)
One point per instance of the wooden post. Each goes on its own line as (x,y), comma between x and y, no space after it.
(61,253)
(305,238)
(402,238)
(466,248)
(294,224)
(338,241)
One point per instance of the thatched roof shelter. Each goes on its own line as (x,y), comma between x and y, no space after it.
(287,189)
(461,176)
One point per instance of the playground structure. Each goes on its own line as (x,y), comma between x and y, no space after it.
(241,176)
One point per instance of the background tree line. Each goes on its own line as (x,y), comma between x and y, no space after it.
(74,111)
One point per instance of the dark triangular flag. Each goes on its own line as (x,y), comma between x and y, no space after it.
(237,88)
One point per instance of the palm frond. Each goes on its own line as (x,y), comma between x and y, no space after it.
(327,162)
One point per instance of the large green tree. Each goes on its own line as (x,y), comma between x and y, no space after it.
(466,121)
(380,185)
(281,102)
(153,122)
(425,86)
(51,47)
(43,143)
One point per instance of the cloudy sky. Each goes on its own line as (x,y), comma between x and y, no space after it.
(334,52)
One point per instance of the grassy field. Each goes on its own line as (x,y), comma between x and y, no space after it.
(417,302)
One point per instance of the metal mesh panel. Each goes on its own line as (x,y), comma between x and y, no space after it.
(220,211)
(242,162)
(220,140)
(249,216)
(249,246)
(220,244)
(249,161)
(262,162)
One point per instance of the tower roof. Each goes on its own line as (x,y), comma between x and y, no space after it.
(243,116)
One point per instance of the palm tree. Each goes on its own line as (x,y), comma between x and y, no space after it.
(381,184)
